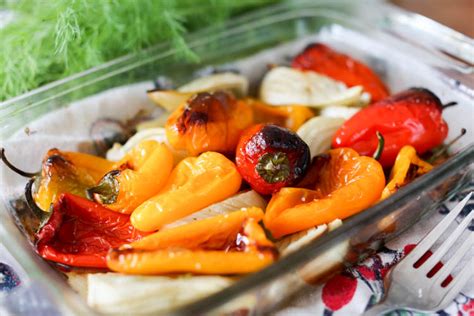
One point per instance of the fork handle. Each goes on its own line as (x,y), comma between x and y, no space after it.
(379,309)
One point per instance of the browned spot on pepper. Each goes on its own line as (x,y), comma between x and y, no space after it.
(208,121)
(311,178)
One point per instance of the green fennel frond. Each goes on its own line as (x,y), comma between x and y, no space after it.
(49,40)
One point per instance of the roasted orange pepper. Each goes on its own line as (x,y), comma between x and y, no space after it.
(139,176)
(208,122)
(346,184)
(196,182)
(291,117)
(68,172)
(407,167)
(236,244)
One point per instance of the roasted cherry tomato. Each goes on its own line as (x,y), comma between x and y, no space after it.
(270,157)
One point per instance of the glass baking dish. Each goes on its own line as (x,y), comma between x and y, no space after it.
(404,48)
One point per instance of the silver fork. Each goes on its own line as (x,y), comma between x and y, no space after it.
(410,288)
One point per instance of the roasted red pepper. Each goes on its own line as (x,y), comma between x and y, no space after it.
(412,117)
(320,58)
(80,233)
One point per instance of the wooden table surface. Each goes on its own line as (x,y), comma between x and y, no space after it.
(457,14)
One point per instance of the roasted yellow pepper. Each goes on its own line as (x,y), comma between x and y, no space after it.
(140,175)
(71,172)
(94,165)
(233,243)
(196,182)
(407,167)
(291,117)
(346,184)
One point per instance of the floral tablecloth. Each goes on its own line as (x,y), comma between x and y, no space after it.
(360,287)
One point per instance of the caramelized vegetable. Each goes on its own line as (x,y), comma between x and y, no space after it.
(208,122)
(235,244)
(137,177)
(318,133)
(346,184)
(197,234)
(80,232)
(270,157)
(237,201)
(285,86)
(118,151)
(323,59)
(291,117)
(196,182)
(227,81)
(170,100)
(69,172)
(407,167)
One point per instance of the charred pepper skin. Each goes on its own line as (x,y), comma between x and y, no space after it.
(324,60)
(411,117)
(270,157)
(79,233)
(208,121)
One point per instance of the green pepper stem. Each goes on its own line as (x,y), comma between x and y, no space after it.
(381,143)
(106,192)
(274,167)
(15,169)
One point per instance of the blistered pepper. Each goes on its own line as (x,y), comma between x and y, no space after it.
(407,167)
(196,182)
(208,121)
(291,117)
(139,176)
(321,58)
(345,184)
(80,232)
(233,243)
(70,172)
(270,157)
(412,117)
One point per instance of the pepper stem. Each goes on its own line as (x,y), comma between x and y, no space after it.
(106,192)
(441,151)
(42,216)
(15,169)
(381,143)
(274,167)
(447,105)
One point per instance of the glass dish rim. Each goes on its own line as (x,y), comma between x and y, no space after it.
(458,161)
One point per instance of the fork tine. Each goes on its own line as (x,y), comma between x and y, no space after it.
(445,246)
(430,239)
(454,260)
(456,285)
